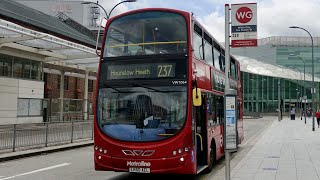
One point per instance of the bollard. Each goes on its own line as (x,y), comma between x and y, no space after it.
(92,130)
(72,132)
(47,132)
(14,137)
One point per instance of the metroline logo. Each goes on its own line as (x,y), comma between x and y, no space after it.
(140,164)
(244,15)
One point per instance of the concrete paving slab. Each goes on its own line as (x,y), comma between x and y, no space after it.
(288,149)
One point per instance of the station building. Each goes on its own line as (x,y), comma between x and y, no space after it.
(278,67)
(47,66)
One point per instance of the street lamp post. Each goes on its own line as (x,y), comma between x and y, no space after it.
(119,4)
(96,3)
(108,15)
(304,86)
(313,85)
(297,84)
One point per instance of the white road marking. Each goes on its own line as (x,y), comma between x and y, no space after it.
(39,170)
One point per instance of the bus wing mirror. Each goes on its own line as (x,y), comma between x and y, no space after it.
(196,97)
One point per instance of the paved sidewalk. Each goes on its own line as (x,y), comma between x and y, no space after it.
(288,150)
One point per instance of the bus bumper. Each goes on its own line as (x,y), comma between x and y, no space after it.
(181,164)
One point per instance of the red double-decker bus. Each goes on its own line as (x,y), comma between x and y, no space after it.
(145,117)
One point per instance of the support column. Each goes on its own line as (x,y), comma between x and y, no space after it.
(61,94)
(85,96)
(262,97)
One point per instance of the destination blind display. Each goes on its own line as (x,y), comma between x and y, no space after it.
(135,71)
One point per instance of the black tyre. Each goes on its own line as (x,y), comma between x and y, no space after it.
(212,158)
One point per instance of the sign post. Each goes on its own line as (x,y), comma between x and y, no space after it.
(244,34)
(227,85)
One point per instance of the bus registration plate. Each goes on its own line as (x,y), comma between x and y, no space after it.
(139,170)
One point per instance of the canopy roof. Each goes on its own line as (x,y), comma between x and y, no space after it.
(24,30)
(251,65)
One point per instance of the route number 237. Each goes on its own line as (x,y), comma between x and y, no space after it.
(164,70)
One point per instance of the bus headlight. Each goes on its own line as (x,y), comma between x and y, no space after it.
(181,159)
(96,148)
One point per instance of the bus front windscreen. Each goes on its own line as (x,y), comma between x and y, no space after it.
(146,33)
(141,113)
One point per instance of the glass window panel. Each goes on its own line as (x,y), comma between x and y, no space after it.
(36,70)
(26,69)
(233,70)
(79,105)
(5,65)
(197,45)
(90,85)
(136,109)
(58,81)
(23,107)
(35,107)
(147,33)
(222,62)
(216,55)
(208,53)
(17,69)
(66,83)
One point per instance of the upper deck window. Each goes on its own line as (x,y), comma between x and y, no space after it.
(153,32)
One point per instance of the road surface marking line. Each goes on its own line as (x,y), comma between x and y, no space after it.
(39,170)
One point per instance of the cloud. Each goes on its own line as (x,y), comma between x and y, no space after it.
(274,16)
(275,19)
(214,24)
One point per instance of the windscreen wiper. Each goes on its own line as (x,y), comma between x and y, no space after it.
(106,85)
(139,85)
(118,91)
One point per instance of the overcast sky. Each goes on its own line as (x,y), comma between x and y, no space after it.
(274,16)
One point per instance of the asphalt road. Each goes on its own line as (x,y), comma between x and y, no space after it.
(77,164)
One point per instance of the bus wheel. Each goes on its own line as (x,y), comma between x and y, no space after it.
(212,158)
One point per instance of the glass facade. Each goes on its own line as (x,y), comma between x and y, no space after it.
(260,93)
(17,67)
(285,60)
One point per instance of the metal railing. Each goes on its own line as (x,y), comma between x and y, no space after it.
(26,136)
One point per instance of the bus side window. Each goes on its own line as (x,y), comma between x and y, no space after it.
(222,62)
(208,50)
(216,55)
(219,109)
(232,68)
(197,42)
(212,118)
(236,68)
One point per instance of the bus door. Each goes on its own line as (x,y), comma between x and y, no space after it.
(201,132)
